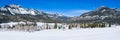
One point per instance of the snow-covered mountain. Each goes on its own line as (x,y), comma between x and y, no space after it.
(22,13)
(15,12)
(101,14)
(17,9)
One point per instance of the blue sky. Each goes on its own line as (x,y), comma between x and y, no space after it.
(65,7)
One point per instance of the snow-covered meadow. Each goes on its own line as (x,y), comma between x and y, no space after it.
(21,26)
(112,33)
(107,33)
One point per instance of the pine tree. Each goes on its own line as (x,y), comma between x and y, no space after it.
(55,26)
(35,24)
(109,24)
(0,26)
(47,26)
(69,27)
(72,25)
(103,25)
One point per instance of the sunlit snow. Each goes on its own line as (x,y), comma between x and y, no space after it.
(112,33)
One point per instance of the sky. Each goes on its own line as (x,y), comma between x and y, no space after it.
(64,7)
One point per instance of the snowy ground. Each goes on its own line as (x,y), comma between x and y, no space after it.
(74,34)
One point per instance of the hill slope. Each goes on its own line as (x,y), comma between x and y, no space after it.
(102,14)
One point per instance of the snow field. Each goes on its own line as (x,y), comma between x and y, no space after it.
(112,33)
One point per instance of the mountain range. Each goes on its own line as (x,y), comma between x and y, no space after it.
(18,13)
(101,14)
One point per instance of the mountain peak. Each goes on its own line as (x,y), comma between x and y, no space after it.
(103,8)
(13,6)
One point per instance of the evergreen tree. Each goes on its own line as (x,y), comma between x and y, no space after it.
(103,25)
(47,26)
(109,24)
(0,26)
(55,26)
(69,27)
(72,25)
(35,24)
